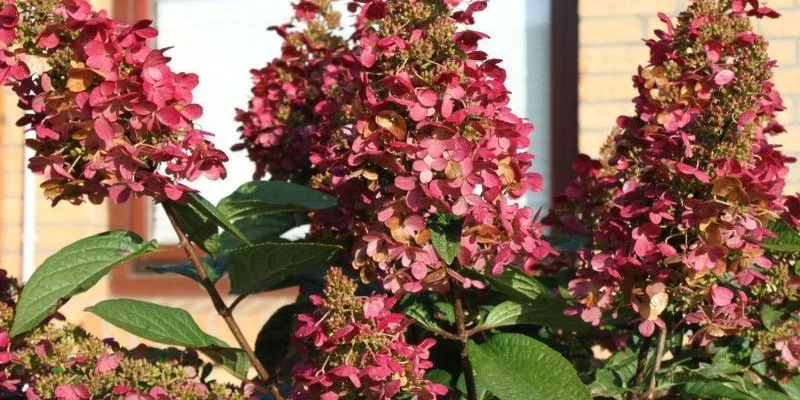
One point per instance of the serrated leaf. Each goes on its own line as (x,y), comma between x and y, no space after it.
(259,229)
(517,285)
(446,235)
(544,312)
(268,197)
(73,270)
(273,344)
(197,225)
(768,389)
(716,389)
(606,384)
(218,217)
(170,326)
(516,367)
(422,317)
(788,240)
(623,365)
(250,267)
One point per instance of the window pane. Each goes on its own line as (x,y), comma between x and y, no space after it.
(519,33)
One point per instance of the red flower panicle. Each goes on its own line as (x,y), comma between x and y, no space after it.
(678,207)
(109,116)
(355,346)
(412,122)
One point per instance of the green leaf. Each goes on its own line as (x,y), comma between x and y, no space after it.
(259,229)
(544,312)
(197,225)
(421,315)
(567,243)
(439,376)
(250,267)
(757,361)
(623,365)
(215,268)
(518,285)
(446,235)
(231,359)
(516,367)
(268,197)
(770,315)
(480,389)
(170,326)
(768,389)
(792,388)
(788,240)
(273,343)
(606,384)
(72,270)
(215,215)
(716,389)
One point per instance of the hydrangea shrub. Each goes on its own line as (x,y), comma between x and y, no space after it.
(423,277)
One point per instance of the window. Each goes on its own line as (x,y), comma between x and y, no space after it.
(221,40)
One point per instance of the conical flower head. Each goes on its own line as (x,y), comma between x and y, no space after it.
(420,132)
(108,117)
(677,208)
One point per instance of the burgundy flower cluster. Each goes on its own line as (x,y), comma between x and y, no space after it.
(355,346)
(110,118)
(412,123)
(678,206)
(297,98)
(66,363)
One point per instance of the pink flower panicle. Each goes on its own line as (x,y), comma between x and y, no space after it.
(355,347)
(418,125)
(108,115)
(297,98)
(677,208)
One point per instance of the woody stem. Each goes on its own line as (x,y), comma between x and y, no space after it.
(219,304)
(463,337)
(662,340)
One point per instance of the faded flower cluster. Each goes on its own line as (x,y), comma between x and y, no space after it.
(109,118)
(404,123)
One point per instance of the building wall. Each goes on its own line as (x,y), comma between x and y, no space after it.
(610,50)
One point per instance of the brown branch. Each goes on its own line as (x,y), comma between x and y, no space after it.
(238,300)
(219,304)
(662,340)
(463,336)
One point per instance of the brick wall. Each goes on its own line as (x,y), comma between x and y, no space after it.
(611,49)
